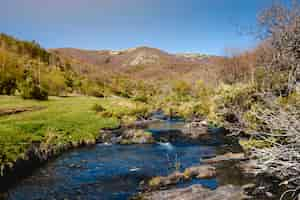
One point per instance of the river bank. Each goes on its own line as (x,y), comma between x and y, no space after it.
(38,155)
(196,138)
(33,132)
(119,171)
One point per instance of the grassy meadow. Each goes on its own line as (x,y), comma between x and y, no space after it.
(59,122)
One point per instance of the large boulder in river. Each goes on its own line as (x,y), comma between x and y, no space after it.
(198,192)
(163,182)
(126,136)
(199,172)
(136,136)
(196,130)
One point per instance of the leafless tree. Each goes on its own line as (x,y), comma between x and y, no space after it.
(279,25)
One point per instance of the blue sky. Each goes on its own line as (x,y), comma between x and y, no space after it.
(204,26)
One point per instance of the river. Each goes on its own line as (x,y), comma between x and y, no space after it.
(108,171)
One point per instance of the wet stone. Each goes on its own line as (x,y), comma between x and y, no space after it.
(226,157)
(196,130)
(199,172)
(198,192)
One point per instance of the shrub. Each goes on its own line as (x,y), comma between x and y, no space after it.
(98,108)
(272,81)
(31,90)
(35,92)
(92,89)
(292,100)
(238,96)
(182,90)
(141,98)
(8,86)
(256,143)
(250,117)
(54,81)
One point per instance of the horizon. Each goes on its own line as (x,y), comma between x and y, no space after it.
(204,27)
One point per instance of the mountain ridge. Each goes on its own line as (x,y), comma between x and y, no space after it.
(143,62)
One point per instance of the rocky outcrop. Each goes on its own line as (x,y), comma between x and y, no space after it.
(226,157)
(200,172)
(198,192)
(144,58)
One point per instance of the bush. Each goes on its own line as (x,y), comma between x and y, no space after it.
(8,86)
(182,90)
(98,108)
(92,89)
(250,117)
(141,98)
(31,90)
(237,96)
(275,81)
(35,92)
(54,81)
(293,100)
(256,143)
(122,87)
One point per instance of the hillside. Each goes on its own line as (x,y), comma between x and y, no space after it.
(30,70)
(144,63)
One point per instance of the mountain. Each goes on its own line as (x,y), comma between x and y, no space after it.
(143,63)
(26,65)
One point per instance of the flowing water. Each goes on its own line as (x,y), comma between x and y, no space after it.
(115,171)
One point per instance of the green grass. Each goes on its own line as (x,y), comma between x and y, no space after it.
(64,120)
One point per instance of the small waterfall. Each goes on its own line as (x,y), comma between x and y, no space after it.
(166,145)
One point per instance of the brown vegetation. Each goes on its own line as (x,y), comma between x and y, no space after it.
(144,63)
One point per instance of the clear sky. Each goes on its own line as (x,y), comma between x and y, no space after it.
(204,26)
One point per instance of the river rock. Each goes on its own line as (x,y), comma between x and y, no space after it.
(126,136)
(162,182)
(198,192)
(113,136)
(196,130)
(249,167)
(141,124)
(200,172)
(136,136)
(225,157)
